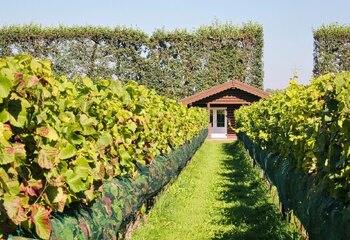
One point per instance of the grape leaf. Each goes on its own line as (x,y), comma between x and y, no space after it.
(48,132)
(48,157)
(74,181)
(67,152)
(5,86)
(14,209)
(40,217)
(88,82)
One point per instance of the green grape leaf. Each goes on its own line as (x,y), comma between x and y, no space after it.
(40,217)
(88,124)
(74,181)
(68,152)
(124,155)
(88,82)
(5,86)
(56,195)
(82,167)
(18,114)
(7,154)
(35,65)
(4,116)
(105,139)
(10,185)
(132,126)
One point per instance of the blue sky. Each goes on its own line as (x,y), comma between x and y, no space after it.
(287,24)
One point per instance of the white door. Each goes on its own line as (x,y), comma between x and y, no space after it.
(218,122)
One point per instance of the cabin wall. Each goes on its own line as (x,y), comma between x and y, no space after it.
(231,118)
(232,99)
(230,111)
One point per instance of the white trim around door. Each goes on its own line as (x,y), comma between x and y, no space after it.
(218,122)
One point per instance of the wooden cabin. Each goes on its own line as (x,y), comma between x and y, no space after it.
(221,101)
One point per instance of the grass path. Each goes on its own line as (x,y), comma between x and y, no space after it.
(218,196)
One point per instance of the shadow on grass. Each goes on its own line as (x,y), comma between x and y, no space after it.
(245,197)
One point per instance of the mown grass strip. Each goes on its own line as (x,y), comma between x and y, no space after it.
(218,196)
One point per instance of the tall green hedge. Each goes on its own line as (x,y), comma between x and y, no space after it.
(174,63)
(331,49)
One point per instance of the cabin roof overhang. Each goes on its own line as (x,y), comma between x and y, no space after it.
(222,87)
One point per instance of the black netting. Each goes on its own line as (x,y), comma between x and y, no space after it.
(121,198)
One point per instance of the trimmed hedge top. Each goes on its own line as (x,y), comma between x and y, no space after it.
(61,139)
(331,49)
(175,63)
(332,31)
